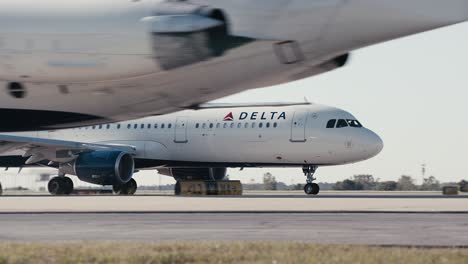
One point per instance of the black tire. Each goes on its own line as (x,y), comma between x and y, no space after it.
(308,188)
(1,189)
(312,188)
(177,189)
(131,187)
(316,189)
(117,189)
(68,185)
(128,188)
(56,186)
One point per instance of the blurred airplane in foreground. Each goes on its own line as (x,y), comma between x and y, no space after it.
(71,63)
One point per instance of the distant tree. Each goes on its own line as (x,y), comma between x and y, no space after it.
(297,186)
(269,182)
(406,183)
(365,181)
(387,186)
(430,184)
(348,185)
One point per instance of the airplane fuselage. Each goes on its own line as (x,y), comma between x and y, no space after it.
(237,137)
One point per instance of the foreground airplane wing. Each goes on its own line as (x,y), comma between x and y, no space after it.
(75,63)
(39,149)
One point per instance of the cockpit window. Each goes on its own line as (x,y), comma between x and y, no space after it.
(353,123)
(331,123)
(341,123)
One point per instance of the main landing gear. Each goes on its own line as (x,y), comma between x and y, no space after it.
(310,187)
(60,185)
(1,190)
(128,188)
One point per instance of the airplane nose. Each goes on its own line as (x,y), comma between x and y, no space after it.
(375,144)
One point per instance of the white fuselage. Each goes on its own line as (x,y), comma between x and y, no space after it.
(123,59)
(238,137)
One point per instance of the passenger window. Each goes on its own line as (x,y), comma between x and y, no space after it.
(100,126)
(239,125)
(246,125)
(225,125)
(275,124)
(142,126)
(204,126)
(253,125)
(211,125)
(341,123)
(268,125)
(197,125)
(135,126)
(94,127)
(169,126)
(155,126)
(218,125)
(260,125)
(162,126)
(149,126)
(129,125)
(232,125)
(331,123)
(118,126)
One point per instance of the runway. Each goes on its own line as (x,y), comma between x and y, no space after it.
(330,228)
(405,219)
(254,202)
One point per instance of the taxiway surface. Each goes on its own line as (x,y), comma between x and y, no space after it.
(407,219)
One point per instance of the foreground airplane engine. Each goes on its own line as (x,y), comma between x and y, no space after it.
(114,168)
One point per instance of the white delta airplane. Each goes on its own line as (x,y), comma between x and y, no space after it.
(195,145)
(79,62)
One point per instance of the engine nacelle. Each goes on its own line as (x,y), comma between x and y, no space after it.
(195,174)
(101,167)
(185,33)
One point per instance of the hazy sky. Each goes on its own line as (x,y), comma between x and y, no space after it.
(412,92)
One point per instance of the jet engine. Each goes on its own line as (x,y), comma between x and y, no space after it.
(101,167)
(185,33)
(195,174)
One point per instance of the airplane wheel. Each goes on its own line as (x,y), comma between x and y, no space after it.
(128,188)
(56,186)
(177,189)
(131,187)
(312,188)
(1,190)
(68,185)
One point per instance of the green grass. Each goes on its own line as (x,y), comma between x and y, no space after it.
(220,252)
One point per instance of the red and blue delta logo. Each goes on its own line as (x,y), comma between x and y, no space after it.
(256,116)
(229,117)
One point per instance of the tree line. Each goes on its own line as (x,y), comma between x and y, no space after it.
(363,182)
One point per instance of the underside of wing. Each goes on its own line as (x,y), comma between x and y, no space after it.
(40,149)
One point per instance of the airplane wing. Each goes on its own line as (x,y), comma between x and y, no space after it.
(39,149)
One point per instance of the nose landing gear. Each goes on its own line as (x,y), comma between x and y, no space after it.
(310,187)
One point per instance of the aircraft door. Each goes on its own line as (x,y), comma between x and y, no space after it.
(298,126)
(180,135)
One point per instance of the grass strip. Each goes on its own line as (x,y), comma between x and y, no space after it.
(220,252)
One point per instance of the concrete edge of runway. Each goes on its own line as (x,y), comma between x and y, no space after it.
(233,212)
